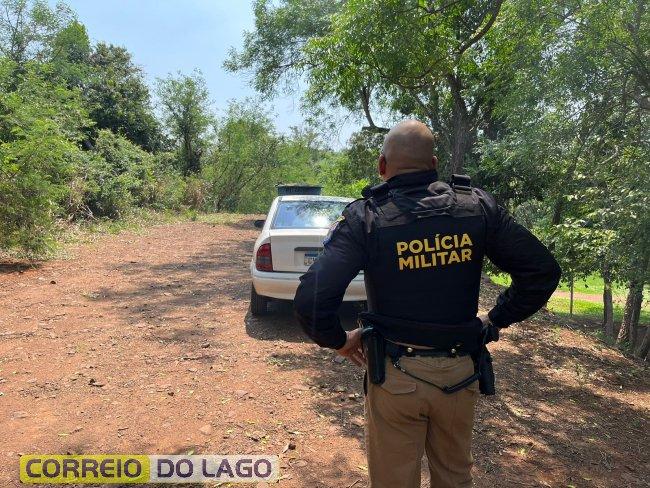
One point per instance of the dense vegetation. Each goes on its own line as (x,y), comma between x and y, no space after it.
(80,137)
(545,103)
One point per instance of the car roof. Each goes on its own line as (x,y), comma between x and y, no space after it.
(310,198)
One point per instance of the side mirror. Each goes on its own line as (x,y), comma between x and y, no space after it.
(259,223)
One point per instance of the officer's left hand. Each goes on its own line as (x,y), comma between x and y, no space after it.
(352,348)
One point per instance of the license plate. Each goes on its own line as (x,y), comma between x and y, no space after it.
(310,257)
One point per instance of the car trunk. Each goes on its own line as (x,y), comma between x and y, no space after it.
(293,250)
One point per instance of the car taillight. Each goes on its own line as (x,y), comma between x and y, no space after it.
(263,261)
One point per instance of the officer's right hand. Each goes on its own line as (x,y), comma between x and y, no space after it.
(352,348)
(491,329)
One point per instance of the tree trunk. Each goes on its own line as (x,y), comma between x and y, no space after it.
(557,211)
(627,332)
(636,314)
(624,331)
(608,306)
(463,135)
(460,145)
(571,298)
(644,348)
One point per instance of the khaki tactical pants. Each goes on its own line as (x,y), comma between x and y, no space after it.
(406,417)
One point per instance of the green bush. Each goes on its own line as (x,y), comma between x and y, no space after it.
(117,175)
(337,179)
(107,193)
(35,169)
(195,192)
(169,186)
(40,127)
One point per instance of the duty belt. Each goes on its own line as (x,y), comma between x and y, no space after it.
(467,339)
(396,351)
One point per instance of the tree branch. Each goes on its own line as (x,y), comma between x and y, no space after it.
(455,87)
(365,103)
(484,30)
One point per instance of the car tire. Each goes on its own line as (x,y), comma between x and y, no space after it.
(259,304)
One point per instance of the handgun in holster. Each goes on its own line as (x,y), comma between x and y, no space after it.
(374,349)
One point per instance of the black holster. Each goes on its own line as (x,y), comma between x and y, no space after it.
(374,348)
(483,365)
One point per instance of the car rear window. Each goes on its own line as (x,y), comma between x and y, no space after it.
(314,214)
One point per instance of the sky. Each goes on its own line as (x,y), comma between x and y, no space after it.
(167,36)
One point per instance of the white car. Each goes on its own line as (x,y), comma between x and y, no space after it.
(291,240)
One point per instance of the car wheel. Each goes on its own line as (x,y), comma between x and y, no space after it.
(258,302)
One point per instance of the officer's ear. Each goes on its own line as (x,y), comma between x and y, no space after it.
(381,165)
(434,162)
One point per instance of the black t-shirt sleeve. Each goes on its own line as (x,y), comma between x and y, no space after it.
(323,286)
(515,250)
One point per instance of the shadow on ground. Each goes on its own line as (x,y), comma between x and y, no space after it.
(560,412)
(556,411)
(280,322)
(191,291)
(10,266)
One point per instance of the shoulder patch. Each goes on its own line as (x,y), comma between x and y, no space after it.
(333,229)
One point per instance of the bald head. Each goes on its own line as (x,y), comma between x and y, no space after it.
(408,147)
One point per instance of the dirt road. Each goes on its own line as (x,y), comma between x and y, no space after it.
(142,343)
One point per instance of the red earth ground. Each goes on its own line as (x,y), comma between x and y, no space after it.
(143,343)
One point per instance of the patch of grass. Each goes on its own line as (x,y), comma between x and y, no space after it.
(591,285)
(85,231)
(591,310)
(136,221)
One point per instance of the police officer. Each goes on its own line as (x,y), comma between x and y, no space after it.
(421,244)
